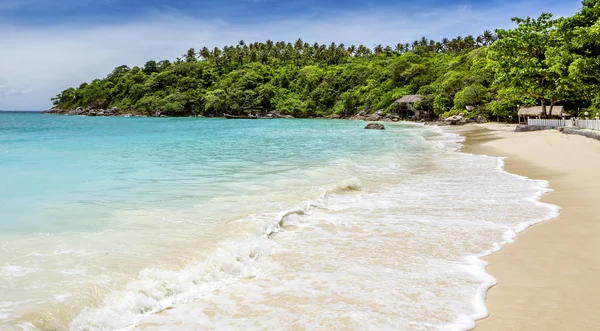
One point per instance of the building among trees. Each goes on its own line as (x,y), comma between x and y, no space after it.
(406,106)
(538,111)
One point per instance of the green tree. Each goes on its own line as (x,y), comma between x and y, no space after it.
(577,57)
(520,60)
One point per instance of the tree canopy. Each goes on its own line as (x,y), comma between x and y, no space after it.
(540,61)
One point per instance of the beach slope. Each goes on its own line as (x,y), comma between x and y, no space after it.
(548,279)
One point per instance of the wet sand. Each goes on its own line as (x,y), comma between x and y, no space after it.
(548,279)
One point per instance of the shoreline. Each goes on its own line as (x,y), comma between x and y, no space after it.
(536,272)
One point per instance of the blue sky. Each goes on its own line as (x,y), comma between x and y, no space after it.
(49,45)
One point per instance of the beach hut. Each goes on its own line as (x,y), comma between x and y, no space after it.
(536,111)
(406,105)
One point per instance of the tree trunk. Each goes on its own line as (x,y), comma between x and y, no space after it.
(544,114)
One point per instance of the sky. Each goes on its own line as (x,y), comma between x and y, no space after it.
(47,46)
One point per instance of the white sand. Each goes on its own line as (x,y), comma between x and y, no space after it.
(549,278)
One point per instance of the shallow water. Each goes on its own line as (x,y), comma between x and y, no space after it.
(122,223)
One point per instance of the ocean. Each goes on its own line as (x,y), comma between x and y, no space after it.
(212,224)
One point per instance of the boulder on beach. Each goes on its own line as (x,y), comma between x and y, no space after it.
(374,117)
(363,113)
(456,120)
(374,126)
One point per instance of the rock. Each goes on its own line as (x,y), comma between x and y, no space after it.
(156,114)
(276,114)
(455,120)
(334,116)
(363,113)
(528,128)
(374,126)
(585,133)
(374,118)
(451,120)
(480,119)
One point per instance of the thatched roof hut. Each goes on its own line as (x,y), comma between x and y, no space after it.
(537,111)
(410,98)
(406,104)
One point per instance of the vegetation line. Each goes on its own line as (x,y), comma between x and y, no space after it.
(542,61)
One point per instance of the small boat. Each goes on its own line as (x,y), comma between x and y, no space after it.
(249,117)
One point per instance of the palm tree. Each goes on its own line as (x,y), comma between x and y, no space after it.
(351,50)
(216,55)
(205,53)
(480,41)
(378,49)
(190,55)
(489,37)
(445,44)
(469,42)
(415,45)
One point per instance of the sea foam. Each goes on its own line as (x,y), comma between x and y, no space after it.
(402,256)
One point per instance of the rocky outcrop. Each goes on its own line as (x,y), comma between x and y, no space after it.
(480,119)
(456,120)
(374,126)
(79,111)
(528,128)
(374,118)
(393,118)
(280,115)
(357,118)
(363,113)
(585,133)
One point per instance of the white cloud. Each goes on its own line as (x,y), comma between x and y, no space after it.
(38,62)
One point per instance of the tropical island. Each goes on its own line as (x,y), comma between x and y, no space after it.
(542,61)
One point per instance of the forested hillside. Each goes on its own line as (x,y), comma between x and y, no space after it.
(541,61)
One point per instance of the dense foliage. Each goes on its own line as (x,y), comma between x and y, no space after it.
(541,61)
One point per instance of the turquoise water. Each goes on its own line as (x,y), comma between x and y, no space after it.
(194,223)
(58,164)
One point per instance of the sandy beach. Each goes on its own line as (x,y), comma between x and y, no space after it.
(548,278)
